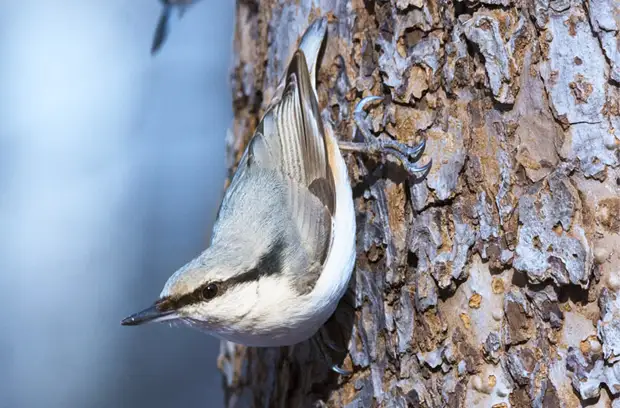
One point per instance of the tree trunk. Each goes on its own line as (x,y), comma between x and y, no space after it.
(493,281)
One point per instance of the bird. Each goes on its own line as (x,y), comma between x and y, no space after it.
(163,22)
(282,250)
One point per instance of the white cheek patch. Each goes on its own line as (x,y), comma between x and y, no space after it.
(274,292)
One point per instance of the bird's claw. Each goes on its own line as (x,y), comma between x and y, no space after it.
(412,152)
(341,370)
(359,108)
(330,343)
(335,347)
(406,154)
(327,357)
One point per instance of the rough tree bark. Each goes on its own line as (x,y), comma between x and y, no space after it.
(493,282)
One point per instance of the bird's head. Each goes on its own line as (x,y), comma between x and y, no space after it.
(215,291)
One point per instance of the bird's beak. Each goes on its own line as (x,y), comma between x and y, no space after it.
(148,315)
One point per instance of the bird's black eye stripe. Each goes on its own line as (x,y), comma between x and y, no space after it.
(270,263)
(205,292)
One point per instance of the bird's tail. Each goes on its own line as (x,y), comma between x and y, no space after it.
(310,45)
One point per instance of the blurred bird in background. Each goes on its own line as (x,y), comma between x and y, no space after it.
(165,18)
(100,148)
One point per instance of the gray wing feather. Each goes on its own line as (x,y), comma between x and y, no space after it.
(310,45)
(285,167)
(290,140)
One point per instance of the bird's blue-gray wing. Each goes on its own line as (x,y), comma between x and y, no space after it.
(290,140)
(291,136)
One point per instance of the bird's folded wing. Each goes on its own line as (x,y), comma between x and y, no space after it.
(290,139)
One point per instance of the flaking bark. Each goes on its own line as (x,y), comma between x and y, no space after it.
(494,281)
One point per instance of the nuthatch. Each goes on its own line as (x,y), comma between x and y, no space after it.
(161,31)
(283,245)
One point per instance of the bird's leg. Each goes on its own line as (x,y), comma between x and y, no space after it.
(327,357)
(371,145)
(331,338)
(329,342)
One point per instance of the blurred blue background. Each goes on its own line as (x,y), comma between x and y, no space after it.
(112,165)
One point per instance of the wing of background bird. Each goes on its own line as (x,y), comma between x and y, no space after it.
(290,139)
(161,31)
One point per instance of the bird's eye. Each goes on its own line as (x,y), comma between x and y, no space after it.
(210,291)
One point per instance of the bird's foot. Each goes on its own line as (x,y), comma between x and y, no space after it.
(407,155)
(329,342)
(328,359)
(341,370)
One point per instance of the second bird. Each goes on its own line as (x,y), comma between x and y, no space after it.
(165,18)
